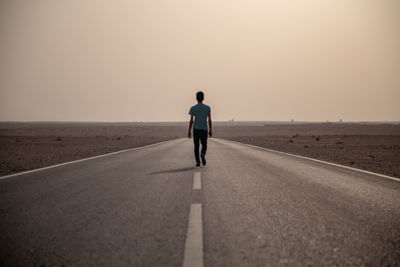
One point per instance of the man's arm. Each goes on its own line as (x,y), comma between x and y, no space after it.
(190,126)
(209,124)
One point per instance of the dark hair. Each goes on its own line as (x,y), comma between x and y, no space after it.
(200,96)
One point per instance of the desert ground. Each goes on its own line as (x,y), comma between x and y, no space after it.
(26,146)
(369,146)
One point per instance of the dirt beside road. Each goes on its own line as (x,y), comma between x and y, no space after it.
(372,147)
(26,146)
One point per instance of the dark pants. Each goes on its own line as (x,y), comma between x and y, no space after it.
(199,136)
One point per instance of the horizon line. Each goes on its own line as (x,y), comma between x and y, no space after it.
(184,121)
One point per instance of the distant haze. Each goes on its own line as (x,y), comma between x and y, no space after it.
(127,60)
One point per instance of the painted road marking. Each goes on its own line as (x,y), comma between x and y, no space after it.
(193,256)
(316,160)
(197,180)
(84,159)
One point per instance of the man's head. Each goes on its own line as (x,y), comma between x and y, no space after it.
(200,96)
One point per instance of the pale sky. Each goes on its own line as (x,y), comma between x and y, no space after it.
(144,60)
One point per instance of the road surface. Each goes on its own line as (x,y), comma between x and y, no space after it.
(151,207)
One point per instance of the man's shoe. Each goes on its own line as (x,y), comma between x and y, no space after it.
(203,159)
(198,164)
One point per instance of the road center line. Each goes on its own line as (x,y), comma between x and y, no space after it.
(197,180)
(193,256)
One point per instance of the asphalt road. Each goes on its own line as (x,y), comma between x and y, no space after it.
(251,207)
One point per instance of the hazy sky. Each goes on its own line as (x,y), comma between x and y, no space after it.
(144,60)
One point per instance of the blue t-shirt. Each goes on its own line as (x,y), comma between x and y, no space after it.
(200,113)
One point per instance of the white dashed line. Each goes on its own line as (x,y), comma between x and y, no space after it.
(197,180)
(193,256)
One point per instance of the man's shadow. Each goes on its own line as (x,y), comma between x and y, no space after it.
(173,170)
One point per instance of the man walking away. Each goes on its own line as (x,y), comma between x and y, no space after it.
(200,130)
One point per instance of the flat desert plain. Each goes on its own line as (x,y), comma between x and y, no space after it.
(369,146)
(26,146)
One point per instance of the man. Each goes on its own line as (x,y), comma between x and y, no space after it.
(200,131)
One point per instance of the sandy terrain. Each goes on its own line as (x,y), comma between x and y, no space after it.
(374,147)
(25,146)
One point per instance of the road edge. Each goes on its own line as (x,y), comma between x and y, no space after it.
(85,159)
(316,160)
